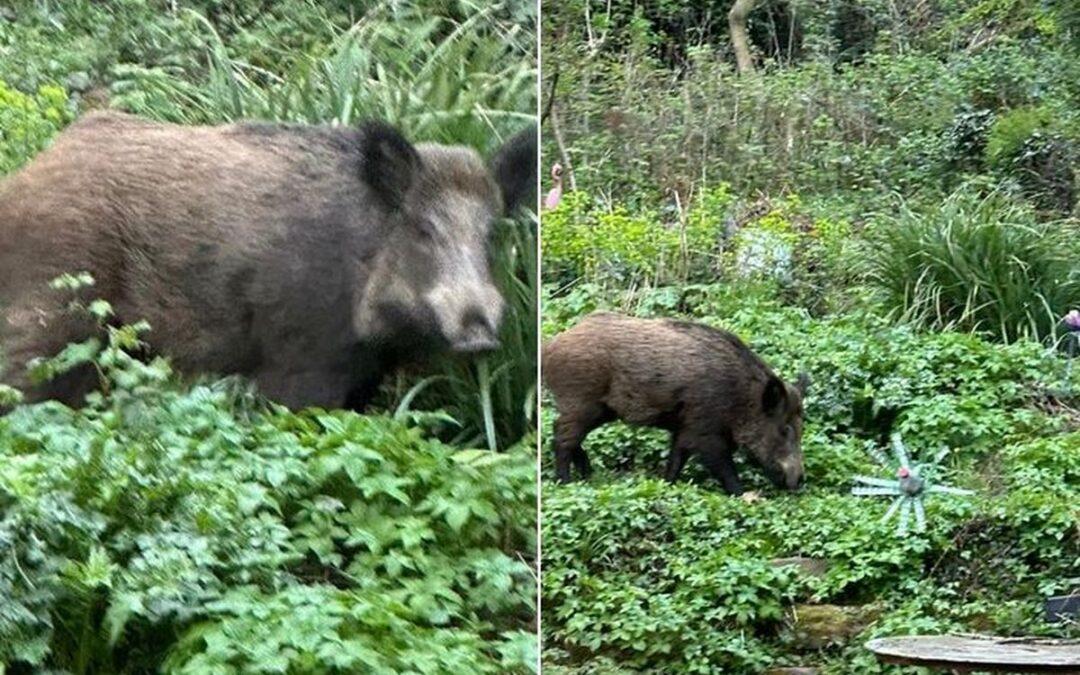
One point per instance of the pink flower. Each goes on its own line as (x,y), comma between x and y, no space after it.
(1072,320)
(555,195)
(903,472)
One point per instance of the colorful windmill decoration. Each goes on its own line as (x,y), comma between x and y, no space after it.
(911,485)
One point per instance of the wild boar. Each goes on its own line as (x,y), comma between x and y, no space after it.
(702,384)
(312,259)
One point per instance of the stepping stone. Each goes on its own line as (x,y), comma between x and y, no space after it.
(966,653)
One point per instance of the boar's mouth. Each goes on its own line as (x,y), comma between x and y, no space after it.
(409,329)
(477,337)
(778,477)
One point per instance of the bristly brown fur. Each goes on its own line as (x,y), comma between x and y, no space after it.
(702,384)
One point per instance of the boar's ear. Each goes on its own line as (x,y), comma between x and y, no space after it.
(514,169)
(803,383)
(390,162)
(774,397)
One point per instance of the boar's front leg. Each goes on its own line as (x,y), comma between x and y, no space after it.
(42,327)
(363,389)
(716,456)
(304,389)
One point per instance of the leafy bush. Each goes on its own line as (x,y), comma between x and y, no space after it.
(582,239)
(645,576)
(631,571)
(192,530)
(28,122)
(966,138)
(781,245)
(1011,130)
(978,263)
(1029,145)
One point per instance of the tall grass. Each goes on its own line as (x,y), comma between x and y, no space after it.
(980,263)
(467,80)
(437,78)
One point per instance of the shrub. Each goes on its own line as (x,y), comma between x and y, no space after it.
(967,136)
(28,122)
(585,239)
(1011,130)
(1027,145)
(976,263)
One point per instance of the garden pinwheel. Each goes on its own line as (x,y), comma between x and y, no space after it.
(909,488)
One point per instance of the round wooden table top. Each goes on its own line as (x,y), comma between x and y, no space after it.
(976,652)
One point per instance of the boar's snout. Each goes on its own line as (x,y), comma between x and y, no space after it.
(794,479)
(787,473)
(791,468)
(477,334)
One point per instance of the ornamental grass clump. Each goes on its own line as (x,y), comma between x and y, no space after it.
(979,263)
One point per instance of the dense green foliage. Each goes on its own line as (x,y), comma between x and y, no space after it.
(888,202)
(933,96)
(976,263)
(28,121)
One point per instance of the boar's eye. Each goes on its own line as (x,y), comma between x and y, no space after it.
(427,229)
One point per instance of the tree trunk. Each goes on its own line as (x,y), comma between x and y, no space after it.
(740,41)
(556,132)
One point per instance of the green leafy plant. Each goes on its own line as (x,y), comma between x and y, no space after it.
(154,526)
(439,78)
(976,262)
(28,122)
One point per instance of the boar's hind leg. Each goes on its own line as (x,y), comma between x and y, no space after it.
(571,428)
(29,334)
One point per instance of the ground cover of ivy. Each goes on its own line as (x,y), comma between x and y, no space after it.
(642,576)
(194,529)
